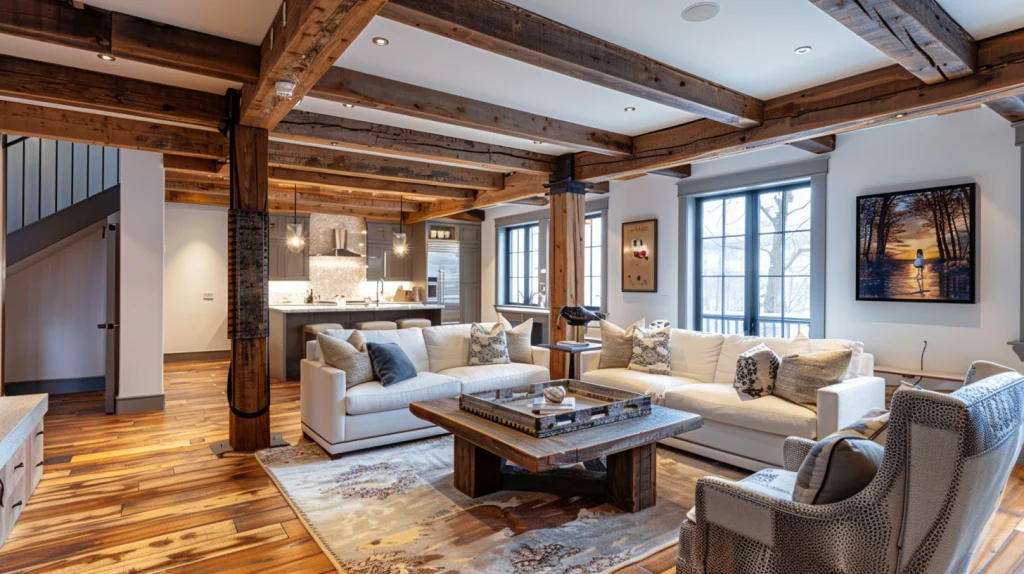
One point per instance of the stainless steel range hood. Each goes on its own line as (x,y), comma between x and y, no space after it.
(341,245)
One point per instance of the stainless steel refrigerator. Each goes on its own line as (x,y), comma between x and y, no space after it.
(443,279)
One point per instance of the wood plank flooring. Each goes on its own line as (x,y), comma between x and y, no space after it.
(143,493)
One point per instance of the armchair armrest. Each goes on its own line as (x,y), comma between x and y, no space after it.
(541,357)
(322,398)
(843,403)
(794,451)
(589,361)
(313,351)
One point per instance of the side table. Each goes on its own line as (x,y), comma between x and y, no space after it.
(574,354)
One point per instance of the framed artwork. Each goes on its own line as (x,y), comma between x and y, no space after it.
(640,256)
(918,245)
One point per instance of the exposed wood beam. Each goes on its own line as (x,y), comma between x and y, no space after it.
(513,32)
(917,34)
(540,200)
(365,184)
(63,85)
(284,194)
(883,96)
(131,38)
(441,209)
(678,172)
(818,145)
(303,42)
(364,90)
(375,166)
(356,135)
(1010,108)
(39,121)
(191,164)
(283,206)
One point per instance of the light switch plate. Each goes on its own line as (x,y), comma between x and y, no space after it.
(207,295)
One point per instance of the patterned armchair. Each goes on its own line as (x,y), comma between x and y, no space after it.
(947,459)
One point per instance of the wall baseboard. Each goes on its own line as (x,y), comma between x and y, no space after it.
(56,386)
(197,356)
(132,405)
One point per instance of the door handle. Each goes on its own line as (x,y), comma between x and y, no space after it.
(106,326)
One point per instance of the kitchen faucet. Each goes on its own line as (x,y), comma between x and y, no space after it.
(380,290)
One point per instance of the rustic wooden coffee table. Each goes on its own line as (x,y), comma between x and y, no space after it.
(628,480)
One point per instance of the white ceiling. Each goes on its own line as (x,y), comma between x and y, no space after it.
(748,47)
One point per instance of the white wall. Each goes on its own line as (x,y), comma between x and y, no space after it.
(195,261)
(52,310)
(142,271)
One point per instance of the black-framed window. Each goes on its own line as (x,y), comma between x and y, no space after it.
(522,264)
(754,262)
(593,261)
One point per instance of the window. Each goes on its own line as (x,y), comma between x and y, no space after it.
(593,260)
(754,257)
(523,264)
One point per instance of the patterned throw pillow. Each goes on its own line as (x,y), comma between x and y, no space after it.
(617,344)
(349,356)
(756,370)
(800,376)
(518,339)
(836,468)
(652,351)
(488,347)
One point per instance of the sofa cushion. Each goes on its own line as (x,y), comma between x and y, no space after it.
(374,397)
(488,346)
(637,382)
(349,356)
(800,376)
(856,349)
(733,345)
(722,403)
(448,346)
(695,354)
(617,344)
(410,340)
(483,378)
(390,363)
(836,468)
(519,339)
(651,351)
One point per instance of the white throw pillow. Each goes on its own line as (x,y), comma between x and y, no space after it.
(652,351)
(617,344)
(756,370)
(518,339)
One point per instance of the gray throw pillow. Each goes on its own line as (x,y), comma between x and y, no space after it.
(836,468)
(390,363)
(756,371)
(616,345)
(800,376)
(519,339)
(349,356)
(652,351)
(488,346)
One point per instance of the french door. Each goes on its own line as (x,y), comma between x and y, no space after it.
(754,262)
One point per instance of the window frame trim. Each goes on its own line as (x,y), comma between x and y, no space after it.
(527,227)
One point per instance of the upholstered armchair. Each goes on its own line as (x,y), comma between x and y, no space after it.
(947,459)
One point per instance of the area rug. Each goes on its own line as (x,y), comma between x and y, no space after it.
(395,510)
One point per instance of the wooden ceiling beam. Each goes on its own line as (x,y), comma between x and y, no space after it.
(285,193)
(303,42)
(678,172)
(875,98)
(367,91)
(365,184)
(196,165)
(513,32)
(357,135)
(374,166)
(818,145)
(1010,108)
(131,38)
(917,34)
(40,121)
(63,85)
(283,206)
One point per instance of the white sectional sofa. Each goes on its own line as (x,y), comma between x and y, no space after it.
(746,433)
(367,415)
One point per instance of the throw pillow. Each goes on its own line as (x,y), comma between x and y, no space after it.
(488,346)
(349,356)
(800,376)
(836,468)
(651,351)
(874,425)
(519,339)
(390,363)
(616,345)
(756,370)
(801,344)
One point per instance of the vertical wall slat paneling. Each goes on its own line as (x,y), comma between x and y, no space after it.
(15,163)
(65,178)
(48,179)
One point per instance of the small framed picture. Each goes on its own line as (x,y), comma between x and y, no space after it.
(433,234)
(640,256)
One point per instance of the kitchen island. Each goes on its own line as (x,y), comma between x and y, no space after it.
(287,347)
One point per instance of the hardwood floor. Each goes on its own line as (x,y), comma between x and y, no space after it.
(143,493)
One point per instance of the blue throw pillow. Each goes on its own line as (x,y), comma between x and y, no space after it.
(390,363)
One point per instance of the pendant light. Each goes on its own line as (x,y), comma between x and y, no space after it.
(398,242)
(296,241)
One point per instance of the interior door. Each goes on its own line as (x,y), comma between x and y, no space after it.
(112,241)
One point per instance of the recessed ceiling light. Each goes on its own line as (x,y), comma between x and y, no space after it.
(629,109)
(334,143)
(536,143)
(381,41)
(106,57)
(898,116)
(803,50)
(349,105)
(700,12)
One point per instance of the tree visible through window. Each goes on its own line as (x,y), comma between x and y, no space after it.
(593,261)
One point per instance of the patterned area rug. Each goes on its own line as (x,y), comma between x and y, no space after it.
(395,510)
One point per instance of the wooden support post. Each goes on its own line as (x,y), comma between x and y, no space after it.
(565,266)
(477,471)
(632,478)
(249,385)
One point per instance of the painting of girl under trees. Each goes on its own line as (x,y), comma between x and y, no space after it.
(917,245)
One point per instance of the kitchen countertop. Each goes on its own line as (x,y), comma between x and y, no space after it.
(351,309)
(18,416)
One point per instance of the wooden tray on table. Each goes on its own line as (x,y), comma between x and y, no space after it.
(595,405)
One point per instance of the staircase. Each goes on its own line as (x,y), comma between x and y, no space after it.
(55,190)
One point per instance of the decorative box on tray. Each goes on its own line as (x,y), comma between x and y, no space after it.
(594,405)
